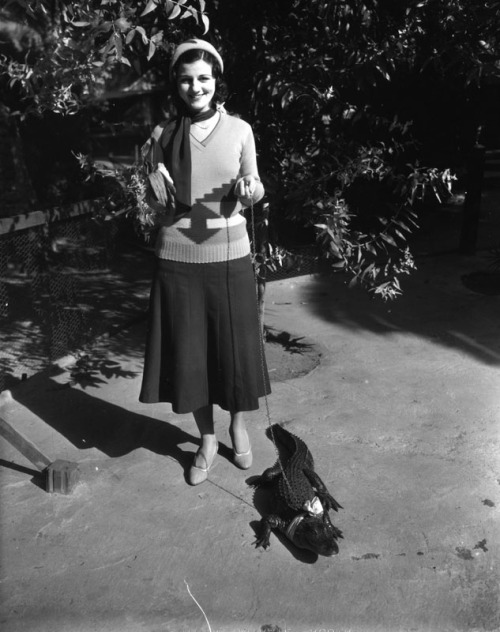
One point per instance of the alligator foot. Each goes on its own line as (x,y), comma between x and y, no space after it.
(267,524)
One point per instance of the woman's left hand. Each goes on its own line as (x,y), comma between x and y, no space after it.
(246,187)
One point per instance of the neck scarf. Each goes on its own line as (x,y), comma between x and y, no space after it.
(177,151)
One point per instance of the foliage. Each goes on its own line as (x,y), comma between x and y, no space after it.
(125,192)
(338,156)
(358,106)
(75,46)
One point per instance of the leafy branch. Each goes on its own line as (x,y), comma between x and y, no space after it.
(74,47)
(125,189)
(375,260)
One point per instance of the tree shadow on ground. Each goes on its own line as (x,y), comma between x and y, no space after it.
(435,305)
(60,310)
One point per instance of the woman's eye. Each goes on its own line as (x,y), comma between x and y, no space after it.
(185,80)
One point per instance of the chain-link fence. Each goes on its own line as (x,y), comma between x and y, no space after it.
(65,278)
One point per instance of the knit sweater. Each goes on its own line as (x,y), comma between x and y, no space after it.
(214,230)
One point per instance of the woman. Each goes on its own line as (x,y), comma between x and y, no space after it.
(204,346)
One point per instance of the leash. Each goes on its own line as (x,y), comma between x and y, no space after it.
(261,343)
(261,336)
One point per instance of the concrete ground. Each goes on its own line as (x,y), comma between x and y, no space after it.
(401,416)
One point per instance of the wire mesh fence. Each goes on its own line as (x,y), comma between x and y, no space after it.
(63,282)
(66,277)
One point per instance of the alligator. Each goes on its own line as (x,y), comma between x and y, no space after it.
(302,501)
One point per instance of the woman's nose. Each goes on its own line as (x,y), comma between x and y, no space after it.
(195,86)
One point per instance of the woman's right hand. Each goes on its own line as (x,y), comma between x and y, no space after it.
(162,185)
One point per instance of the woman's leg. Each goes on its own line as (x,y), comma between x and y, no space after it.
(238,433)
(242,449)
(204,418)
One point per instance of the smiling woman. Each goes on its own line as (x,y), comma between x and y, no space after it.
(204,346)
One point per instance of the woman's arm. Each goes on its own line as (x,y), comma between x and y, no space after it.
(248,187)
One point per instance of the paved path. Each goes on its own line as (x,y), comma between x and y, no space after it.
(402,418)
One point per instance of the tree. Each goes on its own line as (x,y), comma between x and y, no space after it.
(58,56)
(74,47)
(339,95)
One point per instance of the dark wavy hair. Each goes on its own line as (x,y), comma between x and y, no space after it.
(189,57)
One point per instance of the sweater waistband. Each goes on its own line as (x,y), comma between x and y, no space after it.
(213,222)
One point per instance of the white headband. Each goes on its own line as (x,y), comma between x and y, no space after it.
(194,44)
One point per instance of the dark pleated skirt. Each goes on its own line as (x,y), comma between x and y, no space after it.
(203,343)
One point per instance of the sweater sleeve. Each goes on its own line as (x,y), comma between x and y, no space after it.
(151,151)
(152,155)
(248,167)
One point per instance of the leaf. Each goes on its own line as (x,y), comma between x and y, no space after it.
(334,248)
(388,239)
(175,12)
(206,23)
(191,12)
(141,30)
(102,28)
(151,50)
(130,36)
(151,6)
(119,46)
(157,38)
(367,270)
(122,24)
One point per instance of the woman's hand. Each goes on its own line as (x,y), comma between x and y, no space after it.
(246,187)
(162,185)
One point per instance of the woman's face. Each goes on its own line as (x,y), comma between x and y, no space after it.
(196,85)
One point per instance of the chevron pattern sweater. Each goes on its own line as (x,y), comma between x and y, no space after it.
(214,230)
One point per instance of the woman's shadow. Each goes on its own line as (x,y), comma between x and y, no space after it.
(89,422)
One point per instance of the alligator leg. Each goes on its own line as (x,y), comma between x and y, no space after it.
(266,525)
(337,533)
(267,476)
(327,500)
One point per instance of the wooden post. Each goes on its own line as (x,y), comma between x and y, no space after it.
(23,445)
(59,476)
(472,202)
